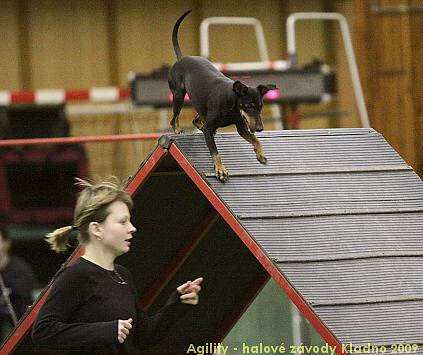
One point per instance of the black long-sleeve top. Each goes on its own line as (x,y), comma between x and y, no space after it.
(84,306)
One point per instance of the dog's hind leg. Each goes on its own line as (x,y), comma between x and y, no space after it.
(252,139)
(178,102)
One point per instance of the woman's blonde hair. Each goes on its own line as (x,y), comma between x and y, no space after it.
(91,206)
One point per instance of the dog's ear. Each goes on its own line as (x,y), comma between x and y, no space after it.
(264,89)
(239,88)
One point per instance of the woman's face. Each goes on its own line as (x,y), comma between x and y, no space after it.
(116,231)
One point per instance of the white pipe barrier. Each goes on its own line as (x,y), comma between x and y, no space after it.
(352,64)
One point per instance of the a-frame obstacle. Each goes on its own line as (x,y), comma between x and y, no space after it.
(335,218)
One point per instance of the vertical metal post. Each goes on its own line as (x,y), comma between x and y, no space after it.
(258,28)
(352,64)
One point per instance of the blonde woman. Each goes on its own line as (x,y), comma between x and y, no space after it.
(93,306)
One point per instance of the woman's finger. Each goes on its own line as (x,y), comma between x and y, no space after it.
(189,295)
(125,331)
(196,288)
(192,301)
(198,281)
(193,288)
(183,288)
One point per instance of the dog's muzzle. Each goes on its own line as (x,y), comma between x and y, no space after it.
(254,124)
(259,125)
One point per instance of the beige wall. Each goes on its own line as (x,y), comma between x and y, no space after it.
(389,48)
(10,75)
(79,43)
(84,43)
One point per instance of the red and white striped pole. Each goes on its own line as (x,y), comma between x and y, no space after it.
(59,96)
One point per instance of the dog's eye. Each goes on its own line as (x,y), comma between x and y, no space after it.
(249,105)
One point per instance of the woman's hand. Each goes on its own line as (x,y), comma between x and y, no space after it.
(189,291)
(124,326)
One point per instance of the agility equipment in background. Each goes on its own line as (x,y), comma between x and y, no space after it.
(335,218)
(312,84)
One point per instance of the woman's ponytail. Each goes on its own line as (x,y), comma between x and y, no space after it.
(59,239)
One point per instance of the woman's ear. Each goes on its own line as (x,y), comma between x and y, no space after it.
(95,229)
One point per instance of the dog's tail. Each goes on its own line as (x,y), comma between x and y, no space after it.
(175,36)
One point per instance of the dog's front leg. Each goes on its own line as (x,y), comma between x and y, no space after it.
(252,139)
(219,168)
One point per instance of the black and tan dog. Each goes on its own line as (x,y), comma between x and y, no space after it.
(218,100)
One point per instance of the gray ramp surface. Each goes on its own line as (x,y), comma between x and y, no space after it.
(341,214)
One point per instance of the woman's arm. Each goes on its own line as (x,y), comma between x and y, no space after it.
(152,329)
(149,329)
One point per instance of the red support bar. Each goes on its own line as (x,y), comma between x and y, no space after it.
(179,259)
(83,139)
(257,251)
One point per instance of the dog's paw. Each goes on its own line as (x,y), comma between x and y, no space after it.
(221,174)
(219,169)
(261,158)
(178,130)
